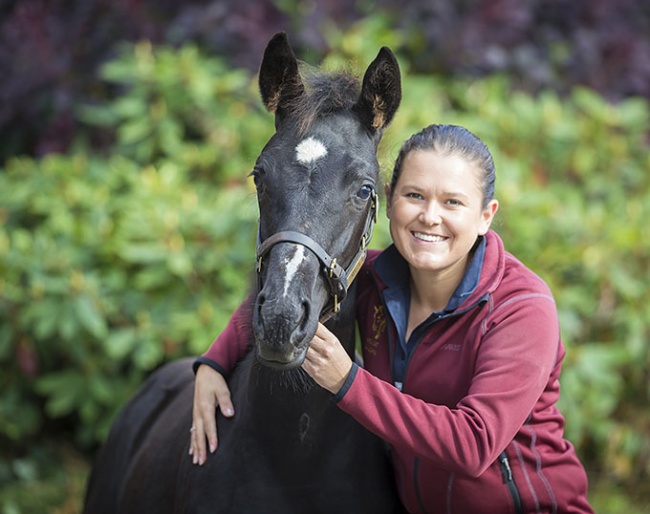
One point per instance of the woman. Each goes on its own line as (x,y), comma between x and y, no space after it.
(461,347)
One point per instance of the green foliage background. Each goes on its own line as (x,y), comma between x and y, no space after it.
(112,264)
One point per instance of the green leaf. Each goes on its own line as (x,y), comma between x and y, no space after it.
(90,316)
(64,391)
(120,343)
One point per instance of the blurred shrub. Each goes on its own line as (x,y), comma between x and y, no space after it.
(109,266)
(108,269)
(539,44)
(183,108)
(50,51)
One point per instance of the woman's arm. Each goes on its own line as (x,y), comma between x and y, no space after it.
(513,365)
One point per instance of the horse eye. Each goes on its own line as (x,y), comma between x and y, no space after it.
(257,176)
(365,192)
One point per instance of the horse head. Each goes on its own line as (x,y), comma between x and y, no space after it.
(316,182)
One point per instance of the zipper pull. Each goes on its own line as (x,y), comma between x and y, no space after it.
(506,471)
(509,480)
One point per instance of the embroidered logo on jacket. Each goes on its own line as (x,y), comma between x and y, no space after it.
(378,328)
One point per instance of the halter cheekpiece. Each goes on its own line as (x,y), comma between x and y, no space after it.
(338,278)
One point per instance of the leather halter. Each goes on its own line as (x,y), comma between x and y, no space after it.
(338,278)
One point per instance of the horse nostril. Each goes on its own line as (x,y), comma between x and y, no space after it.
(302,322)
(257,312)
(259,304)
(305,316)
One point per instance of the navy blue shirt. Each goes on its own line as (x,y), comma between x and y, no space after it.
(394,271)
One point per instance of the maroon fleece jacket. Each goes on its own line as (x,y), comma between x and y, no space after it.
(475,428)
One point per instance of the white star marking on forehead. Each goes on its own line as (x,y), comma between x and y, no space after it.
(310,150)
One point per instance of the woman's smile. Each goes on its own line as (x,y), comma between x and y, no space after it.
(428,238)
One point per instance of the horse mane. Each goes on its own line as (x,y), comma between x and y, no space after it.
(325,93)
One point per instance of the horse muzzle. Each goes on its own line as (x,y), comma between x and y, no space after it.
(283,326)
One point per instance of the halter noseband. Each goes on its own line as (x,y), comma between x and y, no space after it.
(337,278)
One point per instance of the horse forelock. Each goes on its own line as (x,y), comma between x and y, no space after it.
(325,93)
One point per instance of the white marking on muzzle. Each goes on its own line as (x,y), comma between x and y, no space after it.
(292,267)
(310,150)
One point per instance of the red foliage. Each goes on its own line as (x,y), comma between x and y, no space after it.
(50,50)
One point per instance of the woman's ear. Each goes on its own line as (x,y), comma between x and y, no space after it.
(487,215)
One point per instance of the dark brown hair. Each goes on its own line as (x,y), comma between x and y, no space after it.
(448,140)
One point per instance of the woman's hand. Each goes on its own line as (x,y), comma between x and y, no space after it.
(210,391)
(326,361)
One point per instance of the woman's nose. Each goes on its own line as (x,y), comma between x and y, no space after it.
(430,214)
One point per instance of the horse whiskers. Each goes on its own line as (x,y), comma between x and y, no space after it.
(297,380)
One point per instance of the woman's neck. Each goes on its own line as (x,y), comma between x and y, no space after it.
(431,292)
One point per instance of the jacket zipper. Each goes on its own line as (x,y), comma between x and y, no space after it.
(400,386)
(509,480)
(416,479)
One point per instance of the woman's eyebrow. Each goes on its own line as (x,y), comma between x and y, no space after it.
(414,187)
(455,194)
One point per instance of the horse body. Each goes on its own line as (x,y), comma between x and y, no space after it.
(292,450)
(289,449)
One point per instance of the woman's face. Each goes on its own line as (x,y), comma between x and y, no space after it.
(436,212)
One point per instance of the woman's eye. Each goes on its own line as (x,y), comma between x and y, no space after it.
(365,192)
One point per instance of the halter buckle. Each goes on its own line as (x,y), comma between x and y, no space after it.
(332,267)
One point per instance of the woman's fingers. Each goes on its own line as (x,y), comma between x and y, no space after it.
(197,440)
(326,360)
(223,397)
(210,391)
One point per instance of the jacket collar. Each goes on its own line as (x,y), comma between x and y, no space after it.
(393,271)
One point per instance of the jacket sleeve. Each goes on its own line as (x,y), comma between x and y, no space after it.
(232,344)
(517,359)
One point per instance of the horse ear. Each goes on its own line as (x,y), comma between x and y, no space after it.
(279,80)
(381,91)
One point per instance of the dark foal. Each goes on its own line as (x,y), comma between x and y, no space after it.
(289,449)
